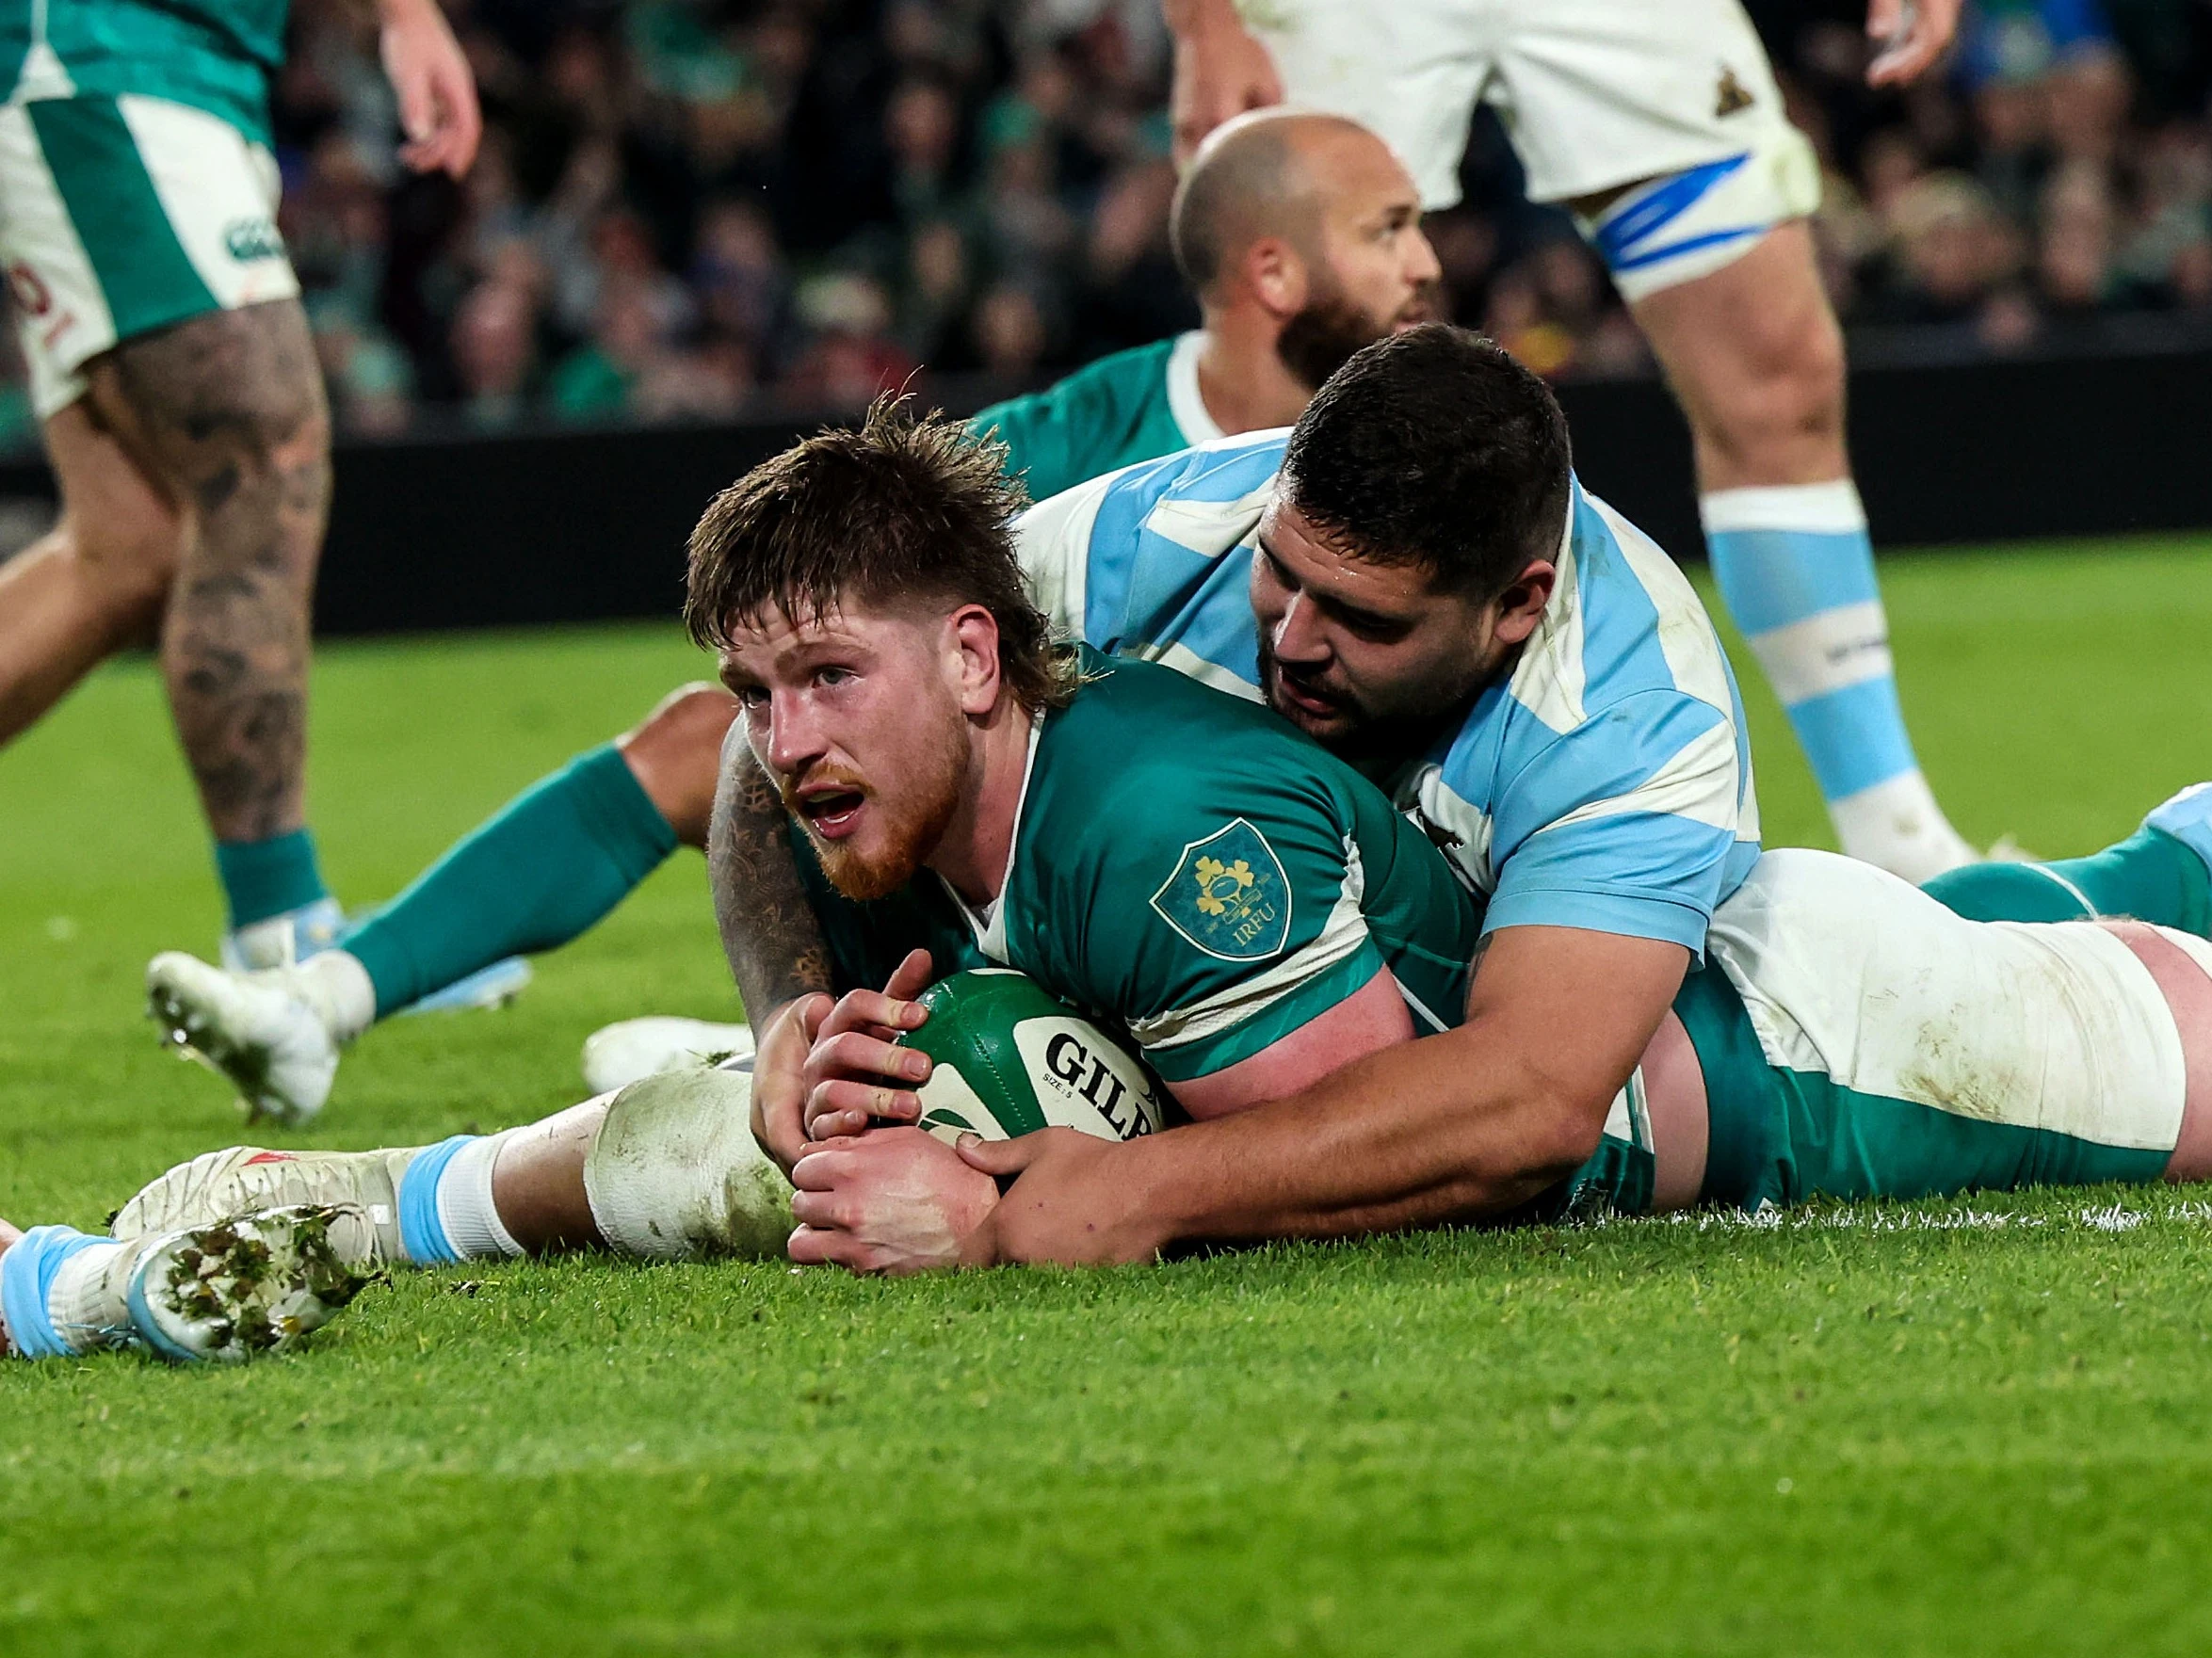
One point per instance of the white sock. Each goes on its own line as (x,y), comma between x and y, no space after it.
(1897,825)
(466,1208)
(87,1312)
(338,987)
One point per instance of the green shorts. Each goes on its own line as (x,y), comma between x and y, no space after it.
(121,215)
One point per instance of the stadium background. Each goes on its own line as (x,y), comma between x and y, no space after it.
(1935,1427)
(717,222)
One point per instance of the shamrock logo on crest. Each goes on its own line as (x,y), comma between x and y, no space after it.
(1219,882)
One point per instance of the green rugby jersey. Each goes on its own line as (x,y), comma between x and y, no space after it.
(213,54)
(1134,405)
(1189,868)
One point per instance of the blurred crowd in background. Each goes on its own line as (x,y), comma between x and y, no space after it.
(687,209)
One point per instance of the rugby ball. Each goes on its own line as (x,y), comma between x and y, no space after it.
(1010,1059)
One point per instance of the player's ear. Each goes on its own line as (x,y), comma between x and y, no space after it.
(1277,275)
(1520,608)
(972,634)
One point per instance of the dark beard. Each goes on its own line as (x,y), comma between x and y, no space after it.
(1377,746)
(1322,338)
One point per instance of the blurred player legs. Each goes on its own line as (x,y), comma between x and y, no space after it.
(1661,127)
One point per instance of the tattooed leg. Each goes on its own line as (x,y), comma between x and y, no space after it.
(228,410)
(95,583)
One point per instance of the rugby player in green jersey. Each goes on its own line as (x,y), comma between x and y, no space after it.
(1258,918)
(1301,236)
(181,405)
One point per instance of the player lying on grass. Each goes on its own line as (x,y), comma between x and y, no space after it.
(1301,236)
(1258,919)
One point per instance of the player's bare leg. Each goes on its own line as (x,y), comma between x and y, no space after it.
(1754,354)
(97,583)
(227,410)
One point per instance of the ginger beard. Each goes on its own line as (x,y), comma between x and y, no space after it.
(873,837)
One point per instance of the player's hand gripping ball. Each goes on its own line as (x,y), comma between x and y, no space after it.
(1012,1059)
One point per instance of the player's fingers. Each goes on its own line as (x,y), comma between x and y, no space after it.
(837,1125)
(998,1158)
(1882,19)
(865,1101)
(865,1009)
(811,1246)
(827,1209)
(817,1171)
(855,1054)
(464,123)
(910,979)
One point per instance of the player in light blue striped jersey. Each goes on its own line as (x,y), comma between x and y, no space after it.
(1597,775)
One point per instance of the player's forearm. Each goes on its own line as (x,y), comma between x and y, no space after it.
(1447,1129)
(769,933)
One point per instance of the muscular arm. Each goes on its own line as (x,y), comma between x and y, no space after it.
(1452,1127)
(768,930)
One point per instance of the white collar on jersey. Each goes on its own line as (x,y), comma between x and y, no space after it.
(1188,408)
(989,922)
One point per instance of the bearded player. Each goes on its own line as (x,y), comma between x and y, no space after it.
(1659,127)
(1301,236)
(971,789)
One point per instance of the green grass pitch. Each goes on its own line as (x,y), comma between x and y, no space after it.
(1927,1429)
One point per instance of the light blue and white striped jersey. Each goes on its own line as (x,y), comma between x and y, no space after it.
(1605,783)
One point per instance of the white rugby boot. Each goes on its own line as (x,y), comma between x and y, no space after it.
(218,1186)
(617,1054)
(274,1033)
(226,1292)
(215,1294)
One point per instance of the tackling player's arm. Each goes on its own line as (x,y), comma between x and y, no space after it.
(1471,1122)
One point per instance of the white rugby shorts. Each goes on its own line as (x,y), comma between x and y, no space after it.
(122,215)
(1594,94)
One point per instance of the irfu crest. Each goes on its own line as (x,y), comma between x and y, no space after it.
(1229,896)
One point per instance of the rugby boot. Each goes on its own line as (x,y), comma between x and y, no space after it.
(215,1294)
(269,1032)
(617,1054)
(245,1180)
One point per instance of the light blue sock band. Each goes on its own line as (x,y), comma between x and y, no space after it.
(2187,817)
(26,1277)
(422,1234)
(1771,579)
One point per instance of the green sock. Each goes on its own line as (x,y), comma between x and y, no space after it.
(262,879)
(551,863)
(2149,877)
